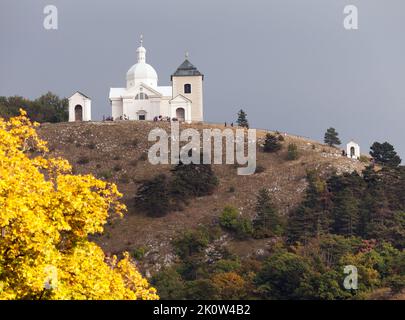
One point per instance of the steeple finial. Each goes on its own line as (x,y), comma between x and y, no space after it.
(141,40)
(186,54)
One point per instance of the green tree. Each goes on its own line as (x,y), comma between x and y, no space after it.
(292,152)
(271,143)
(153,196)
(385,154)
(283,276)
(268,221)
(192,180)
(332,137)
(242,119)
(313,217)
(231,220)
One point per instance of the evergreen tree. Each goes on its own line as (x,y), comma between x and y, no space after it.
(153,196)
(242,119)
(385,154)
(332,137)
(267,222)
(292,152)
(192,180)
(313,217)
(346,213)
(271,143)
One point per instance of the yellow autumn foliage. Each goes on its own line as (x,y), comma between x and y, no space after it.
(46,216)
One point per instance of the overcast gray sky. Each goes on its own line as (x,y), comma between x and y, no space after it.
(289,63)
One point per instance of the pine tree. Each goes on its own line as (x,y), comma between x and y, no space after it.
(153,196)
(346,213)
(313,217)
(332,137)
(271,143)
(385,154)
(268,221)
(242,119)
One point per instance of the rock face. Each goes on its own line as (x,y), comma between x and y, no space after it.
(116,151)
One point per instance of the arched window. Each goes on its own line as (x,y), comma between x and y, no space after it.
(141,96)
(187,88)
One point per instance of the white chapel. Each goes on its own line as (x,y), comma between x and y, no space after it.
(144,99)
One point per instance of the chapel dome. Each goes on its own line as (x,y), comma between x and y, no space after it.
(141,71)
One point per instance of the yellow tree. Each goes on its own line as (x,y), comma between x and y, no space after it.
(46,215)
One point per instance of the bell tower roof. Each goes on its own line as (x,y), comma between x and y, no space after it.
(187,69)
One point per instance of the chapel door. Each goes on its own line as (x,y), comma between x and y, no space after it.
(78,113)
(180,114)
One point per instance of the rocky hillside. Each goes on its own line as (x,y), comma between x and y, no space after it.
(117,152)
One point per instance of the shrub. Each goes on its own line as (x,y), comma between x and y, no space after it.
(169,284)
(106,174)
(117,157)
(139,253)
(92,145)
(292,153)
(153,196)
(190,243)
(226,265)
(231,189)
(281,138)
(231,220)
(135,142)
(83,160)
(271,143)
(192,180)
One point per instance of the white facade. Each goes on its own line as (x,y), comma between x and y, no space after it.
(144,99)
(79,107)
(353,150)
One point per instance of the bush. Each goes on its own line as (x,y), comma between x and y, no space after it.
(281,138)
(117,157)
(226,265)
(271,143)
(83,160)
(231,189)
(92,146)
(292,153)
(139,253)
(169,284)
(192,180)
(231,220)
(153,196)
(106,174)
(190,243)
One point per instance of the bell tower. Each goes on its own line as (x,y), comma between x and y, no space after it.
(188,82)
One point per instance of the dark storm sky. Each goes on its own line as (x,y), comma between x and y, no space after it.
(289,63)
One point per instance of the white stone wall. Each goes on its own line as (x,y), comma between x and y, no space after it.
(353,146)
(79,99)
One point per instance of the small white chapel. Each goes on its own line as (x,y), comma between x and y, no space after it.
(144,99)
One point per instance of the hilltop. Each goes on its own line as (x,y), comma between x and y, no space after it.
(117,152)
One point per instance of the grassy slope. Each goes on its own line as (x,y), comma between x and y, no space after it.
(121,144)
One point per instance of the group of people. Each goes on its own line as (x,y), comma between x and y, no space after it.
(161,118)
(226,124)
